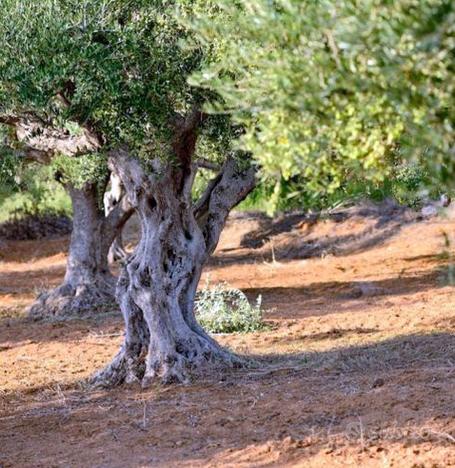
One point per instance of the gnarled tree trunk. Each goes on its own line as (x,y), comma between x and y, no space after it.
(88,283)
(157,287)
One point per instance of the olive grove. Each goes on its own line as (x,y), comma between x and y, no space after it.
(159,90)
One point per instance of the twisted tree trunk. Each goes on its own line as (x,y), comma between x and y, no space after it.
(88,283)
(157,287)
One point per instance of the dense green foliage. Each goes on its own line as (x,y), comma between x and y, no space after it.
(117,65)
(116,62)
(331,97)
(332,91)
(406,183)
(109,65)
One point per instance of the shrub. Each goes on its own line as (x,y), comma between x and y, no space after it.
(222,309)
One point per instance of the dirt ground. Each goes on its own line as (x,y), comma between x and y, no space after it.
(356,369)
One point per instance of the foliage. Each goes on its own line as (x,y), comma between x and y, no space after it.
(406,183)
(78,171)
(9,166)
(330,90)
(117,65)
(221,309)
(330,97)
(109,65)
(35,192)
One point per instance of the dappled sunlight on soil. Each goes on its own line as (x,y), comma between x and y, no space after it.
(356,368)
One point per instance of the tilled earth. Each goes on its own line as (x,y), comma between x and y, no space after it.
(357,366)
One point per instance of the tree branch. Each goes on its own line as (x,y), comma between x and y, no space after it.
(42,141)
(223,193)
(130,172)
(119,215)
(185,135)
(201,207)
(184,145)
(32,154)
(206,164)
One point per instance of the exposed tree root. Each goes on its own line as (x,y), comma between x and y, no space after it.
(175,364)
(67,300)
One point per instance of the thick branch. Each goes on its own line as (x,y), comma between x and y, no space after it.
(38,138)
(131,173)
(201,207)
(31,154)
(185,136)
(10,120)
(206,164)
(117,218)
(184,145)
(224,192)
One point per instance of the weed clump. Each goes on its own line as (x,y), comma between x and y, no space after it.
(223,309)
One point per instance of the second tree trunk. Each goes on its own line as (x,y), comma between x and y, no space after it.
(88,283)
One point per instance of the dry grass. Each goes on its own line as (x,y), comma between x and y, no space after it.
(357,369)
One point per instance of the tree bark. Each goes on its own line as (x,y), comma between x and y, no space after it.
(157,286)
(88,284)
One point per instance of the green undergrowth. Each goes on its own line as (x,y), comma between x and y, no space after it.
(223,309)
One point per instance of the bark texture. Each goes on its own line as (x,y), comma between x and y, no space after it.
(88,282)
(41,141)
(157,287)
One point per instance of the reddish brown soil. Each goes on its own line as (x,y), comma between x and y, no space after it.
(358,368)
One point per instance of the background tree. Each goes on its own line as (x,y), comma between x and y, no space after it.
(331,90)
(88,282)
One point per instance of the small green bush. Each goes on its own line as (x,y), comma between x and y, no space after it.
(222,309)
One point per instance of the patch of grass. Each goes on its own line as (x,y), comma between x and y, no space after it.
(222,309)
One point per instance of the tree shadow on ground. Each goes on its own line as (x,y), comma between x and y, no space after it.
(364,396)
(24,251)
(314,299)
(18,281)
(398,353)
(300,244)
(18,331)
(322,298)
(383,213)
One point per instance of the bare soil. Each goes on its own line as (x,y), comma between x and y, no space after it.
(356,369)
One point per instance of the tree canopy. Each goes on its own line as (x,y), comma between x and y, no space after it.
(99,74)
(87,63)
(326,90)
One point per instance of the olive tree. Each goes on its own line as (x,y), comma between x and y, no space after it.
(110,78)
(332,88)
(88,283)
